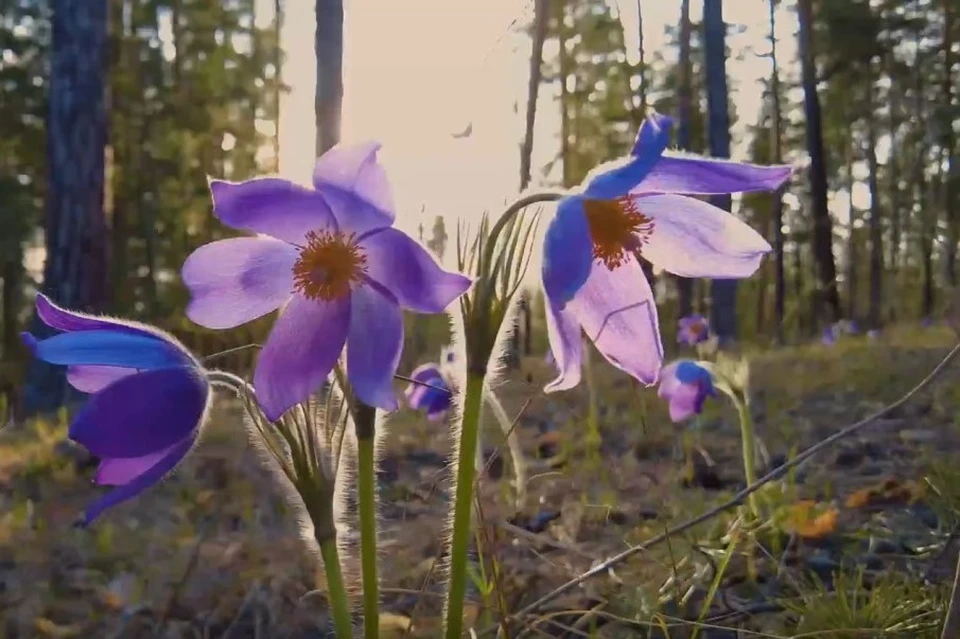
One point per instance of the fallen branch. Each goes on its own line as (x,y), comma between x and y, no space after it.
(740,497)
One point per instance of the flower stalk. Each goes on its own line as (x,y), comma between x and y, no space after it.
(364,421)
(463,506)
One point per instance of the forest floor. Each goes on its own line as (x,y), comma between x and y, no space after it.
(854,539)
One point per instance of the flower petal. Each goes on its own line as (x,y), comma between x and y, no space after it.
(356,186)
(238,280)
(272,206)
(617,312)
(118,470)
(374,346)
(142,414)
(668,380)
(93,379)
(617,178)
(108,348)
(302,349)
(69,321)
(567,252)
(405,269)
(692,238)
(563,332)
(693,175)
(685,403)
(143,481)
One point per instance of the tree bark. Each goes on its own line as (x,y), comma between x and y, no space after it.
(828,298)
(684,107)
(851,239)
(75,273)
(723,293)
(775,127)
(277,78)
(949,143)
(876,232)
(540,17)
(564,95)
(328,44)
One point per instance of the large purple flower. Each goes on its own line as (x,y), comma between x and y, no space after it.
(150,396)
(429,392)
(591,276)
(330,258)
(686,386)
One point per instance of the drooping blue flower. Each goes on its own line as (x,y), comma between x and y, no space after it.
(150,396)
(686,386)
(641,205)
(331,259)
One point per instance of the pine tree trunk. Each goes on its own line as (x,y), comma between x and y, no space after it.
(949,143)
(828,298)
(540,18)
(328,44)
(277,78)
(775,127)
(851,239)
(75,272)
(876,231)
(684,107)
(564,95)
(723,293)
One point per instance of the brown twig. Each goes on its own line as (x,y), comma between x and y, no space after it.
(741,496)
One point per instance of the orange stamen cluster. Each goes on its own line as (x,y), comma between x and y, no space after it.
(328,266)
(617,228)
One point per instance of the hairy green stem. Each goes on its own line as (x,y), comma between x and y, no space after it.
(336,590)
(749,453)
(364,421)
(463,506)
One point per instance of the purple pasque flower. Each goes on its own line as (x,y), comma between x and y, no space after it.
(329,257)
(829,335)
(150,396)
(641,205)
(429,392)
(693,329)
(686,386)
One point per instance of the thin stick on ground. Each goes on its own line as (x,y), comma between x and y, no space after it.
(741,496)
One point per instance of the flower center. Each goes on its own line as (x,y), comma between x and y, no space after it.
(617,228)
(328,265)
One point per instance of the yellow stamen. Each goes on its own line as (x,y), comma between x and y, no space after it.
(328,266)
(617,228)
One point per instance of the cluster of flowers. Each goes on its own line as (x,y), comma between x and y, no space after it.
(330,259)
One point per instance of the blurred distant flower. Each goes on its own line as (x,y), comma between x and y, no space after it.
(591,276)
(331,259)
(926,322)
(829,335)
(686,386)
(873,334)
(693,329)
(429,392)
(150,396)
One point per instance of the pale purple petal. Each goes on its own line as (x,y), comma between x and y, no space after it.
(238,280)
(356,186)
(143,413)
(693,175)
(374,345)
(70,321)
(668,380)
(302,349)
(617,312)
(143,481)
(117,471)
(692,238)
(272,206)
(563,332)
(405,269)
(93,379)
(684,402)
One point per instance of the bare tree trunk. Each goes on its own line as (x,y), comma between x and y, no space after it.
(851,239)
(277,78)
(328,44)
(684,98)
(876,231)
(564,95)
(75,272)
(828,297)
(643,61)
(540,18)
(723,293)
(949,143)
(775,127)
